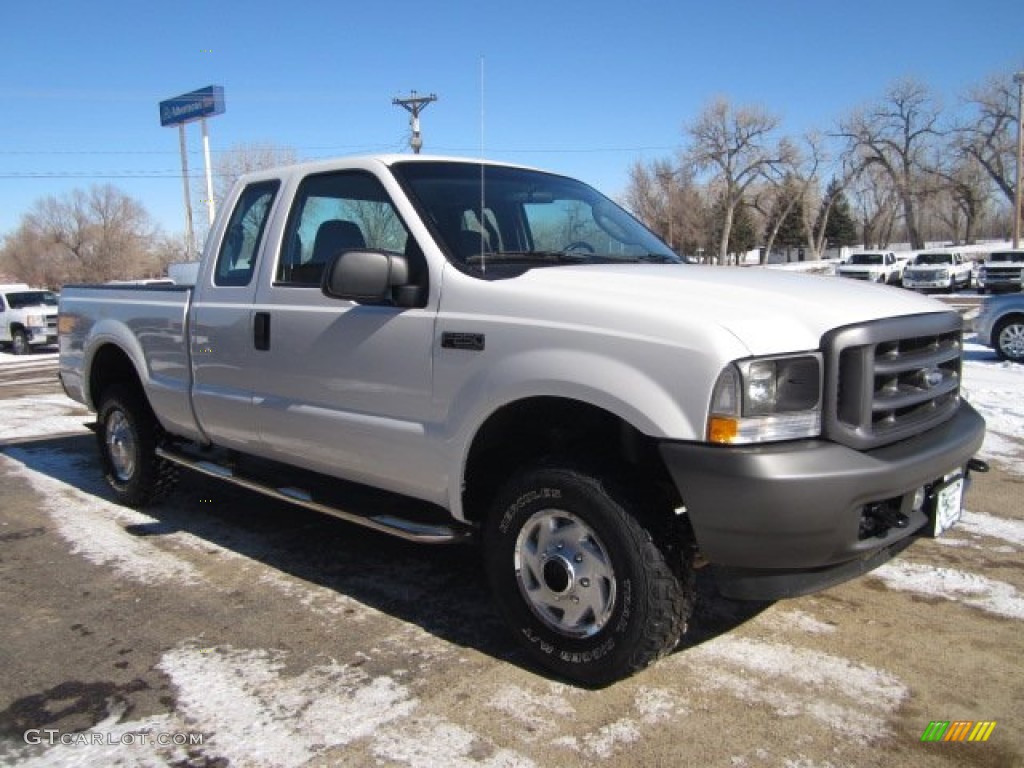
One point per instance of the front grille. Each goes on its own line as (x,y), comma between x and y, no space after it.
(917,274)
(892,379)
(1003,273)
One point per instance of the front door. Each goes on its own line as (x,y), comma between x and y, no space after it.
(343,388)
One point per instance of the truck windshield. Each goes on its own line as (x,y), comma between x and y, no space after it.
(866,259)
(933,258)
(24,299)
(485,215)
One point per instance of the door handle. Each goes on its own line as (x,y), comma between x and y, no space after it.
(261,330)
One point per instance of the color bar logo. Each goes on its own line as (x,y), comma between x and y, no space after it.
(958,730)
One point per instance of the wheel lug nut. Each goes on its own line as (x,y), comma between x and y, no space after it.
(574,599)
(584,582)
(578,558)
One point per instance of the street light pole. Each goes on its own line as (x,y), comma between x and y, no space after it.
(1019,80)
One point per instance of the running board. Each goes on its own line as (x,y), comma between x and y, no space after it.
(411,530)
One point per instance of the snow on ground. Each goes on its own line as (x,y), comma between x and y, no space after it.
(842,694)
(995,389)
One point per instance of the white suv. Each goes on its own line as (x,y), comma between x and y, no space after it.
(28,317)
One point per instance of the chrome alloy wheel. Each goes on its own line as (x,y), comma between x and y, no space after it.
(565,573)
(1011,340)
(121,446)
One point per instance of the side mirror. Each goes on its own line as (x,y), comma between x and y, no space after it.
(365,277)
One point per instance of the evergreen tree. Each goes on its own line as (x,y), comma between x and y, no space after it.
(791,232)
(742,236)
(840,229)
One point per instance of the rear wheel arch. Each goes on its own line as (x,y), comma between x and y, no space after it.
(110,365)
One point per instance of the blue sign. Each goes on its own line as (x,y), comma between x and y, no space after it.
(192,106)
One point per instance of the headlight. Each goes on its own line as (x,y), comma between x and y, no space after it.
(942,274)
(766,399)
(34,321)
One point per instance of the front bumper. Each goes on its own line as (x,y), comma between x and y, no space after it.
(925,285)
(787,519)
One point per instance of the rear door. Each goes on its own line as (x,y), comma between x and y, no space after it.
(222,323)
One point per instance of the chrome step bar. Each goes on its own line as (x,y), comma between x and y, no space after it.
(411,530)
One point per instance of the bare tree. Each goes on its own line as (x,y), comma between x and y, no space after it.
(738,147)
(875,204)
(244,158)
(896,135)
(98,235)
(962,189)
(783,194)
(989,135)
(666,198)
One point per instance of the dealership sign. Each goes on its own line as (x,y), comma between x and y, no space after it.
(192,106)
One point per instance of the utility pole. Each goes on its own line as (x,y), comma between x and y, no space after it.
(1018,78)
(414,105)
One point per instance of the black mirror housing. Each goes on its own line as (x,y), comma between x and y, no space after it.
(365,277)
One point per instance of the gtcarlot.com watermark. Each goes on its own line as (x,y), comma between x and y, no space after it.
(52,737)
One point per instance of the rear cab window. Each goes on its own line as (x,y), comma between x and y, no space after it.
(236,262)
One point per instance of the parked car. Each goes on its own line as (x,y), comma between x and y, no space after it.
(1001,271)
(938,271)
(1000,325)
(874,266)
(28,317)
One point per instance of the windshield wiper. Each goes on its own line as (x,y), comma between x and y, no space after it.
(546,257)
(655,258)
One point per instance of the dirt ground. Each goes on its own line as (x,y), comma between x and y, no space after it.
(219,628)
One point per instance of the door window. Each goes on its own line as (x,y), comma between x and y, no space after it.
(335,212)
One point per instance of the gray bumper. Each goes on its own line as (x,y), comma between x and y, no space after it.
(786,519)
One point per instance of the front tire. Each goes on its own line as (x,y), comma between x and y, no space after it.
(1009,339)
(580,581)
(128,437)
(19,342)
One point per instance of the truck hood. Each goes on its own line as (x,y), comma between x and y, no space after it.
(767,311)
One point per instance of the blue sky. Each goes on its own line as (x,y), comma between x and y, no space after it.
(584,88)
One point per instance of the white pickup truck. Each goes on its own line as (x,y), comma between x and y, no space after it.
(497,353)
(1002,271)
(938,271)
(28,317)
(874,266)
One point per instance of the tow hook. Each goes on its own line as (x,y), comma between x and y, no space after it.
(977,465)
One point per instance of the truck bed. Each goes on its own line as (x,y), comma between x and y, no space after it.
(150,323)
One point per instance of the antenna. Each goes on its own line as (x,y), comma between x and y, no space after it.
(414,104)
(483,196)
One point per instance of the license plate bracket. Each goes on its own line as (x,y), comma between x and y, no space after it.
(946,505)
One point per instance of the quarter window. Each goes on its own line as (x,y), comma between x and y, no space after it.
(239,250)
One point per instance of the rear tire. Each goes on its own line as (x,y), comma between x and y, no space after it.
(580,581)
(128,437)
